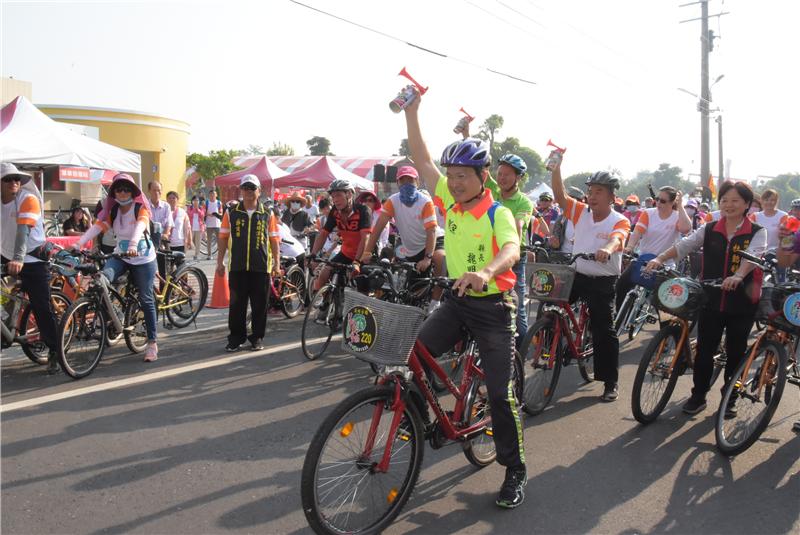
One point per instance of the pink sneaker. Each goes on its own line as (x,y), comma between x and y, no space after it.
(152,352)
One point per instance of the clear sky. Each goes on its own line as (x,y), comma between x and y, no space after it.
(606,73)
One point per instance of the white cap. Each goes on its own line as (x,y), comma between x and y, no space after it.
(250,179)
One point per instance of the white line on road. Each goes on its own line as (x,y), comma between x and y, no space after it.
(8,407)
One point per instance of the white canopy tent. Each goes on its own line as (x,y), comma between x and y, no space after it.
(538,190)
(29,137)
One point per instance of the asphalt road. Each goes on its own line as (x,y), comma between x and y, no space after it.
(203,441)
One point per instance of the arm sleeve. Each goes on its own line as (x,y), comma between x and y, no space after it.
(643,223)
(21,242)
(90,234)
(273,232)
(388,208)
(142,223)
(428,216)
(29,211)
(691,243)
(621,230)
(759,243)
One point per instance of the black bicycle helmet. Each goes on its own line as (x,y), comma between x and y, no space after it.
(604,178)
(576,193)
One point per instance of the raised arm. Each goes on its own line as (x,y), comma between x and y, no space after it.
(416,145)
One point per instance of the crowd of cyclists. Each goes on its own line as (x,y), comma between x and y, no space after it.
(472,224)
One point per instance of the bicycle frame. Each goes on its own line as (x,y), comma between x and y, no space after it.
(13,293)
(568,323)
(684,325)
(765,377)
(420,355)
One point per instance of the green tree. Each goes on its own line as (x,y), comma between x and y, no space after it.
(404,148)
(280,149)
(216,163)
(577,180)
(788,187)
(488,131)
(319,146)
(252,150)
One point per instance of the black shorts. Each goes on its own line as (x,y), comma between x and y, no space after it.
(420,255)
(340,258)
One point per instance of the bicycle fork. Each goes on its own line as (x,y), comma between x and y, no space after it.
(398,409)
(109,305)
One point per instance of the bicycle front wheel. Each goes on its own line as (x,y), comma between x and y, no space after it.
(656,377)
(34,347)
(542,353)
(82,337)
(319,323)
(293,291)
(134,327)
(754,393)
(185,297)
(623,319)
(341,490)
(586,362)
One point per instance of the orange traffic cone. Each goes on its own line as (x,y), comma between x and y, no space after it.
(220,293)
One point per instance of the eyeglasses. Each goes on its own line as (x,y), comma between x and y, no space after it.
(248,187)
(664,201)
(8,179)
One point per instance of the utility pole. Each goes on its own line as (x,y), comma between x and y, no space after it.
(719,133)
(703,106)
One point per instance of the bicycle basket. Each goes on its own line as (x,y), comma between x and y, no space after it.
(679,296)
(779,307)
(551,283)
(640,276)
(379,332)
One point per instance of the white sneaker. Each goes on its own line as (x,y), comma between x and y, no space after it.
(152,352)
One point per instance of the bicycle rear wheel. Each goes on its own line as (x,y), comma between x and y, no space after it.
(542,354)
(185,297)
(319,323)
(134,327)
(340,490)
(754,391)
(640,315)
(34,347)
(654,382)
(82,337)
(293,291)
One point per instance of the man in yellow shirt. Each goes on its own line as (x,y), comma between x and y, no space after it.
(481,246)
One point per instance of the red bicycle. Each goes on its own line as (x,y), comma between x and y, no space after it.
(364,460)
(562,333)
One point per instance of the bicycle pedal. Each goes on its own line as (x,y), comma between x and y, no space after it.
(793,380)
(652,320)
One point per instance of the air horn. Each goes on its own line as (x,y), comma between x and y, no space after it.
(555,155)
(463,122)
(406,95)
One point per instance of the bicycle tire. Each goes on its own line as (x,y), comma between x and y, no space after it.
(204,245)
(185,297)
(734,435)
(320,310)
(84,321)
(622,321)
(641,314)
(663,354)
(37,350)
(479,450)
(292,290)
(586,364)
(352,418)
(134,327)
(541,369)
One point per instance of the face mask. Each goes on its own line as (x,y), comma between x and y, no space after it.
(632,209)
(690,212)
(295,206)
(124,203)
(408,194)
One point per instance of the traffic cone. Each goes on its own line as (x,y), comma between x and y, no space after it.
(220,293)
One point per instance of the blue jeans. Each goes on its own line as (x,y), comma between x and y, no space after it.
(143,276)
(521,288)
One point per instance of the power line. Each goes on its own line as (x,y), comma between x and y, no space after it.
(413,45)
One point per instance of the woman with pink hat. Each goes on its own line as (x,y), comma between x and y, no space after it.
(127,212)
(371,201)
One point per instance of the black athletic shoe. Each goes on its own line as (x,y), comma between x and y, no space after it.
(232,348)
(256,345)
(512,493)
(730,410)
(52,364)
(610,392)
(693,406)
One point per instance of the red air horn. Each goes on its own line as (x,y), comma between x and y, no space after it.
(463,122)
(555,155)
(559,149)
(406,95)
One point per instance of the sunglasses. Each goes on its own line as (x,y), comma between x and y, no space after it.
(123,189)
(9,179)
(248,187)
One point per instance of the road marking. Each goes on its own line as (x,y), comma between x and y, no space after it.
(221,361)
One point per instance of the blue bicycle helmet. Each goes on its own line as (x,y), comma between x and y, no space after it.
(516,162)
(470,152)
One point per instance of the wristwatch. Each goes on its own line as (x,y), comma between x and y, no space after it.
(429,256)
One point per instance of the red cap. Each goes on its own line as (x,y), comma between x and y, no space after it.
(407,170)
